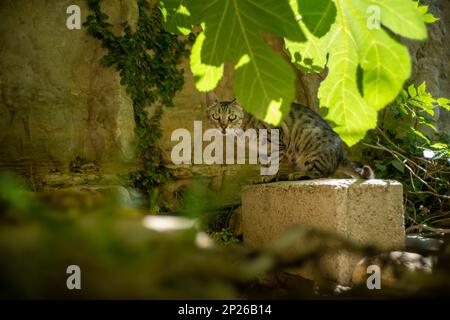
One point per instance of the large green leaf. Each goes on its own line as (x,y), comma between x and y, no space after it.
(384,60)
(339,91)
(264,82)
(357,50)
(310,55)
(401,16)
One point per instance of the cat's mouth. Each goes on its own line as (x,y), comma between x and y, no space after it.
(229,131)
(222,130)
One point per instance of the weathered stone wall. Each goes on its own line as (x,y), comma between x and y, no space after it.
(56,101)
(431,59)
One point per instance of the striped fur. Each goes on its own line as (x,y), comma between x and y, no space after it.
(308,144)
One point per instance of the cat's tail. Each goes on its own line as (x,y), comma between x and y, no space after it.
(351,169)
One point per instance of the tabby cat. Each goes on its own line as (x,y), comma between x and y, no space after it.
(309,148)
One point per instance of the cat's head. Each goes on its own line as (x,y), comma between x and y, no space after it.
(224,114)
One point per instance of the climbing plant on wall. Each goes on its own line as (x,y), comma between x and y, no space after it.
(147,61)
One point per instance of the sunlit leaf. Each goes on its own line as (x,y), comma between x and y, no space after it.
(428,17)
(412,90)
(308,55)
(420,135)
(339,92)
(206,76)
(355,44)
(429,125)
(439,145)
(402,17)
(444,103)
(422,89)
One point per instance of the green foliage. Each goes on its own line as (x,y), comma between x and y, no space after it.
(367,66)
(13,195)
(407,147)
(110,248)
(428,17)
(38,243)
(147,61)
(224,237)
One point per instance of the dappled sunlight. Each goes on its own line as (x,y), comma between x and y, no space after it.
(167,223)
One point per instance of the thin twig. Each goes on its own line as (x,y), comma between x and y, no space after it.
(413,207)
(433,218)
(383,148)
(412,180)
(384,135)
(432,193)
(421,227)
(396,155)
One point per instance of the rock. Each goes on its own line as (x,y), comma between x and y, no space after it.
(119,194)
(85,197)
(423,244)
(368,212)
(65,180)
(235,221)
(392,265)
(70,199)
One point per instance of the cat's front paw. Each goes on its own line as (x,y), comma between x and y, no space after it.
(300,175)
(264,179)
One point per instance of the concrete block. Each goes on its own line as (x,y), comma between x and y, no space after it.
(365,211)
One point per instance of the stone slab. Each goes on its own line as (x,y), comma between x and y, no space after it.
(365,211)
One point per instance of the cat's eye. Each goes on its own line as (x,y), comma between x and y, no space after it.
(232,117)
(215,116)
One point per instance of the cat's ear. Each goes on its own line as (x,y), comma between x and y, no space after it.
(211,98)
(235,103)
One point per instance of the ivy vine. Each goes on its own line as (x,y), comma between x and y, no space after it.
(147,61)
